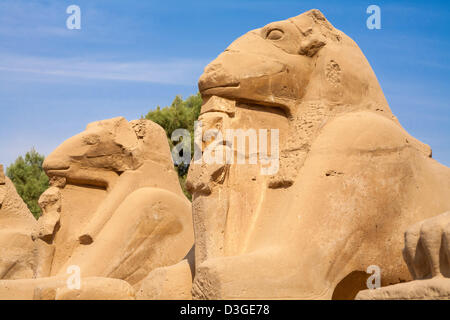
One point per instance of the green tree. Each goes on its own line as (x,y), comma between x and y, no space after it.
(181,114)
(29,179)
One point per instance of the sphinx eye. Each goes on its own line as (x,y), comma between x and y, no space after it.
(275,34)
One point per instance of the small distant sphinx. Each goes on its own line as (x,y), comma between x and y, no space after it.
(16,226)
(115,211)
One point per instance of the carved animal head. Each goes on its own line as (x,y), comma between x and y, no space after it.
(291,61)
(303,66)
(107,148)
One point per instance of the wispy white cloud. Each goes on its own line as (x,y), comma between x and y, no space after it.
(20,18)
(25,31)
(24,20)
(172,71)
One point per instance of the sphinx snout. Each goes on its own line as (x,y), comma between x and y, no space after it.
(216,76)
(231,69)
(54,163)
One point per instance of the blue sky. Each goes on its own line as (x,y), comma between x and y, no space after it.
(132,55)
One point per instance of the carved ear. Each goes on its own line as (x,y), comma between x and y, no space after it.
(123,133)
(310,47)
(316,32)
(152,140)
(140,128)
(316,15)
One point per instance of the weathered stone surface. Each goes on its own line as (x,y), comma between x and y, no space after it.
(431,289)
(50,203)
(217,104)
(55,288)
(350,177)
(29,289)
(167,283)
(427,254)
(98,289)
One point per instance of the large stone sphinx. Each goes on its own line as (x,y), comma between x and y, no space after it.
(115,210)
(349,179)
